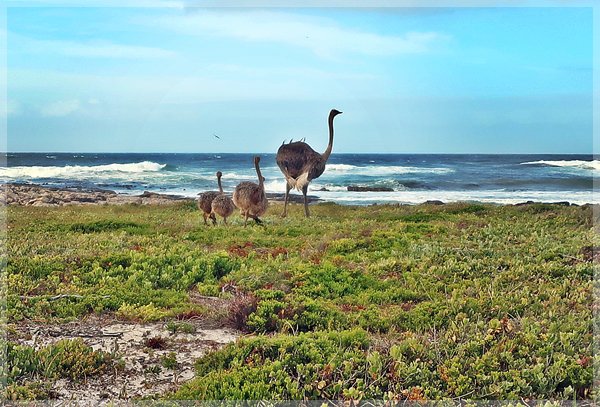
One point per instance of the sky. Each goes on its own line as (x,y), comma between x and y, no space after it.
(409,80)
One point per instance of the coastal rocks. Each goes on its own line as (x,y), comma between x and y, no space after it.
(358,188)
(561,203)
(292,198)
(36,195)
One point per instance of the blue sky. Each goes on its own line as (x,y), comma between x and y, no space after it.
(441,80)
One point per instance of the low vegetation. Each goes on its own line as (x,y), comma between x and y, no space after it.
(389,302)
(30,372)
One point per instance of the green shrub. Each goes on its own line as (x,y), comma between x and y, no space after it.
(30,372)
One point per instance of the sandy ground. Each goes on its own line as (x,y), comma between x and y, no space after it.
(141,373)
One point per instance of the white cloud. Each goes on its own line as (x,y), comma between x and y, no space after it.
(320,35)
(212,83)
(108,50)
(87,49)
(13,107)
(60,108)
(9,108)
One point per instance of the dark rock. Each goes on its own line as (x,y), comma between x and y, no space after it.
(156,195)
(562,203)
(84,198)
(525,203)
(433,202)
(357,188)
(298,198)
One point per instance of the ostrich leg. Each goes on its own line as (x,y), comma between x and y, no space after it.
(287,195)
(304,192)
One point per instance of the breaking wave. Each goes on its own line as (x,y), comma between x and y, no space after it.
(588,165)
(376,170)
(33,172)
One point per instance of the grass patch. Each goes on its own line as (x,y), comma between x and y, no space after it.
(393,302)
(107,226)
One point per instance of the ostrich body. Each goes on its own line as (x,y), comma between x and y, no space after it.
(250,198)
(223,206)
(300,164)
(205,201)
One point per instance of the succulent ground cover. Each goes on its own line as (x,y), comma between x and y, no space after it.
(387,302)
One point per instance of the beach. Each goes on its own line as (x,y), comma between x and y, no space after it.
(137,298)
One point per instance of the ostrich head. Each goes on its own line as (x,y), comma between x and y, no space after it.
(334,112)
(219,174)
(256,160)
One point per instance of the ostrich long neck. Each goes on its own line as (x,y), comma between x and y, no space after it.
(219,182)
(327,152)
(260,178)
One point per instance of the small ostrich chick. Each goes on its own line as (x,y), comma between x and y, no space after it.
(205,201)
(250,198)
(223,206)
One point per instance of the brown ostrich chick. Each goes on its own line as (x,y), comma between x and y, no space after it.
(223,206)
(250,198)
(205,201)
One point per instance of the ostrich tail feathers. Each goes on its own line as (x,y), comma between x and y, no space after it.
(298,183)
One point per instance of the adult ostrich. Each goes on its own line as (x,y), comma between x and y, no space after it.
(250,198)
(301,164)
(205,201)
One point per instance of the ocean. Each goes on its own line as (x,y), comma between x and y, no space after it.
(413,178)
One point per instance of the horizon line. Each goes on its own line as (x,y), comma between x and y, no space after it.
(249,153)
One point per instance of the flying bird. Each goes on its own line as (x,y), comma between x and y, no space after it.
(300,164)
(216,136)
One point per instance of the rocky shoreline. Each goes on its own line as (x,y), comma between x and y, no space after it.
(39,195)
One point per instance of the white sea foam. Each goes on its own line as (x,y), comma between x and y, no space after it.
(239,177)
(497,196)
(588,165)
(384,169)
(276,185)
(417,197)
(33,172)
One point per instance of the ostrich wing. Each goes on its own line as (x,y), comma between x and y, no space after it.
(257,195)
(299,163)
(293,158)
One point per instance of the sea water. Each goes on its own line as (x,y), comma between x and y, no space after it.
(413,178)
